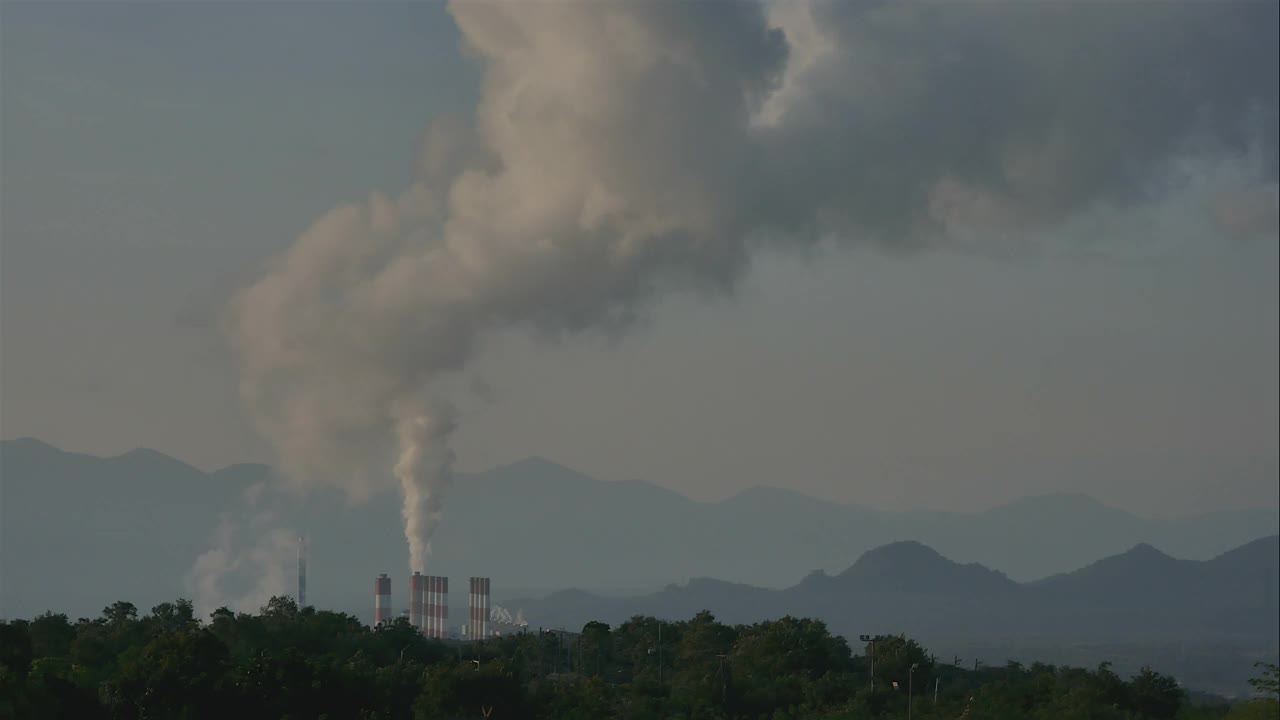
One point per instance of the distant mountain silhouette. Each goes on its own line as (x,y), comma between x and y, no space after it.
(1142,579)
(81,531)
(909,566)
(1131,608)
(1141,575)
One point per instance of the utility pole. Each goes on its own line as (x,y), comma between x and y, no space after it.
(868,638)
(935,690)
(910,675)
(659,651)
(724,682)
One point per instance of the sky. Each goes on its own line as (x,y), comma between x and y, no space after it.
(155,158)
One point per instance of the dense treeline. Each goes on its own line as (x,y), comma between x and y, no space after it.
(286,663)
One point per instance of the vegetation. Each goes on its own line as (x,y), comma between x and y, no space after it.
(288,663)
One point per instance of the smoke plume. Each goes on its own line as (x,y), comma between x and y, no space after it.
(246,564)
(621,150)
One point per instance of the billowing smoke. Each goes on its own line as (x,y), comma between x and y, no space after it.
(620,150)
(246,564)
(423,468)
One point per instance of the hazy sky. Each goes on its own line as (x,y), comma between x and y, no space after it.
(155,156)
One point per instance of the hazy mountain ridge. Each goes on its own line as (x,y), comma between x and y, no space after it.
(1205,621)
(75,531)
(1141,579)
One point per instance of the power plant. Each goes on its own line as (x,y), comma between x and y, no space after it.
(429,608)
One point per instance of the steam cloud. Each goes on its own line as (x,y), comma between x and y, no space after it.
(620,150)
(245,566)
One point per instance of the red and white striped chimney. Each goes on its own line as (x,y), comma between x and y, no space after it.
(437,603)
(478,627)
(381,600)
(417,594)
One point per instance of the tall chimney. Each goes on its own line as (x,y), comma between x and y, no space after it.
(437,603)
(381,600)
(302,572)
(417,595)
(478,626)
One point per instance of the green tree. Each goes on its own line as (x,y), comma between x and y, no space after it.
(702,676)
(1268,682)
(175,675)
(469,690)
(1155,696)
(894,657)
(597,649)
(172,617)
(51,635)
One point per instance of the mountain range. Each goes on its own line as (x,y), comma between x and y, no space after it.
(1139,595)
(78,532)
(1206,622)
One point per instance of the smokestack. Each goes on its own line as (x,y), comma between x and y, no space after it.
(417,593)
(302,572)
(437,602)
(381,600)
(478,628)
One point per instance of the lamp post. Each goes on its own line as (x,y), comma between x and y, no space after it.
(910,674)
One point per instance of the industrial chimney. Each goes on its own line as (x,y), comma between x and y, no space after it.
(437,602)
(381,600)
(478,626)
(417,594)
(302,572)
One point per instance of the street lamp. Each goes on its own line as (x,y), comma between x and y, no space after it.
(910,673)
(868,638)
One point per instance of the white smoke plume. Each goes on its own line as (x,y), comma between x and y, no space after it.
(245,565)
(425,460)
(620,150)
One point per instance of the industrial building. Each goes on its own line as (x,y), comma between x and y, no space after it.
(429,608)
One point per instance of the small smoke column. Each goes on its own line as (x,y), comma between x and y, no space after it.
(622,150)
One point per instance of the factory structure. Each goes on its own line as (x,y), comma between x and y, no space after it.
(429,609)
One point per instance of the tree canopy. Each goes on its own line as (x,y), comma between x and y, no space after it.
(286,662)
